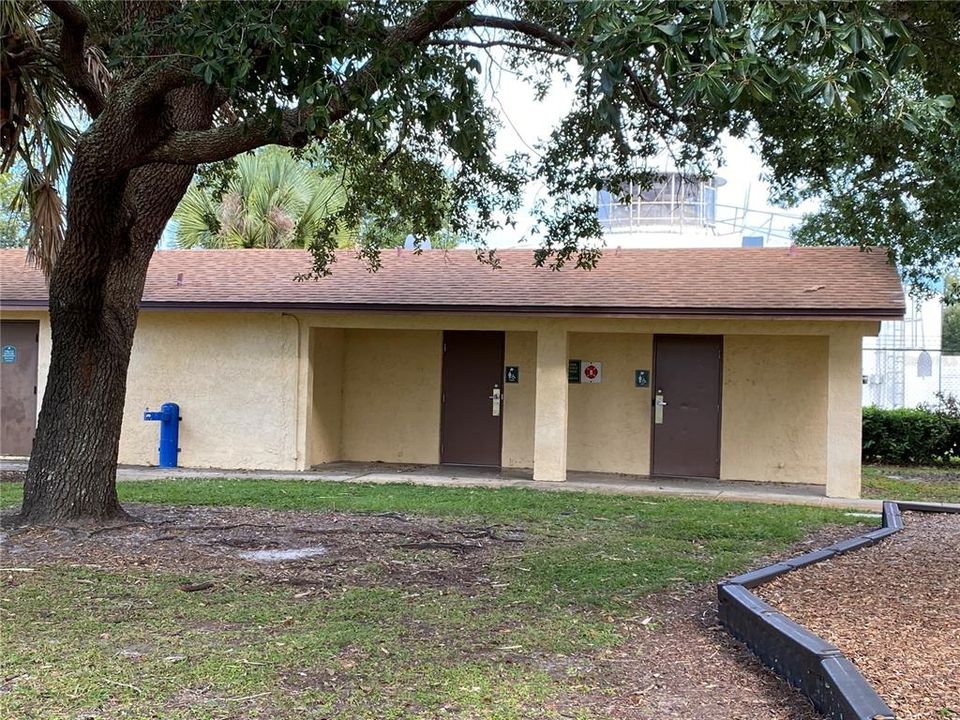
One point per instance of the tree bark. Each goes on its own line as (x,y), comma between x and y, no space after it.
(94,304)
(114,222)
(130,169)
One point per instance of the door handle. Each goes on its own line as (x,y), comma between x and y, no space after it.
(496,401)
(658,405)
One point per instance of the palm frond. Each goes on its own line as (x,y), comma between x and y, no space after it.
(197,220)
(273,200)
(45,232)
(39,120)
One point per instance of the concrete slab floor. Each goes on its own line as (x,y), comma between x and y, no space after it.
(459,476)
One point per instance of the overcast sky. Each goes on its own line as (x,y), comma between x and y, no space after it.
(526,122)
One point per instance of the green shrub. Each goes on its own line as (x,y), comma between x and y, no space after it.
(910,437)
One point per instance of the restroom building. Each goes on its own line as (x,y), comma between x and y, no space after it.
(728,363)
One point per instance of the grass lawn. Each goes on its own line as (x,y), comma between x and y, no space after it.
(929,484)
(86,635)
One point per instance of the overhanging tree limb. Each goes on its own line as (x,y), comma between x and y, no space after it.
(647,97)
(215,144)
(487,44)
(551,40)
(202,146)
(522,27)
(73,58)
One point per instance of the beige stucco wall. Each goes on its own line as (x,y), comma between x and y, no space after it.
(844,414)
(259,391)
(550,410)
(773,425)
(234,376)
(519,400)
(609,422)
(391,396)
(326,402)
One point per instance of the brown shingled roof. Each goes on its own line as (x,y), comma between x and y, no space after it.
(798,282)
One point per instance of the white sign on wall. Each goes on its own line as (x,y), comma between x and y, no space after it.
(590,371)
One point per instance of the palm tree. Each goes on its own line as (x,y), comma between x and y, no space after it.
(273,200)
(38,119)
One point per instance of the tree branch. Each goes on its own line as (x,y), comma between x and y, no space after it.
(73,59)
(550,38)
(647,98)
(220,143)
(203,146)
(522,27)
(485,44)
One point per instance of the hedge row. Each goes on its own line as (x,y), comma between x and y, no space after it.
(910,437)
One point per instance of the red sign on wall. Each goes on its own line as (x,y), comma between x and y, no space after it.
(591,371)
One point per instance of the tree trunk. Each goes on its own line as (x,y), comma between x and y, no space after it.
(96,285)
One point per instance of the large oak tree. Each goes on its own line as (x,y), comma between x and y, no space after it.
(398,85)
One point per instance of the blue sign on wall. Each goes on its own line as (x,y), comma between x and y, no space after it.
(9,354)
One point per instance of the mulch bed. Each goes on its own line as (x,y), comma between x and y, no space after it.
(893,609)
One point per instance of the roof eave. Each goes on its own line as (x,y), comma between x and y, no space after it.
(868,313)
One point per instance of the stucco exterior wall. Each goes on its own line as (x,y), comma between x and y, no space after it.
(260,390)
(608,427)
(844,422)
(773,423)
(519,400)
(326,402)
(391,396)
(234,376)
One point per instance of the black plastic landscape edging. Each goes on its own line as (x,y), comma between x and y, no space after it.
(805,660)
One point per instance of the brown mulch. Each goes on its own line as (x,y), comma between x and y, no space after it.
(893,609)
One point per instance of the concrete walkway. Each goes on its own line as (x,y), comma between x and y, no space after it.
(454,476)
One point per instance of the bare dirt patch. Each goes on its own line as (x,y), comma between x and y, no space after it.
(674,660)
(686,666)
(925,475)
(678,662)
(298,548)
(893,609)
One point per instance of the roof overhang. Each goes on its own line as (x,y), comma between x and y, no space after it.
(847,314)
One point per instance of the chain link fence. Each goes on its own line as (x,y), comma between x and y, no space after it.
(908,377)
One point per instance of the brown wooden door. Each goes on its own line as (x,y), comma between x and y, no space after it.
(18,385)
(470,419)
(687,375)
